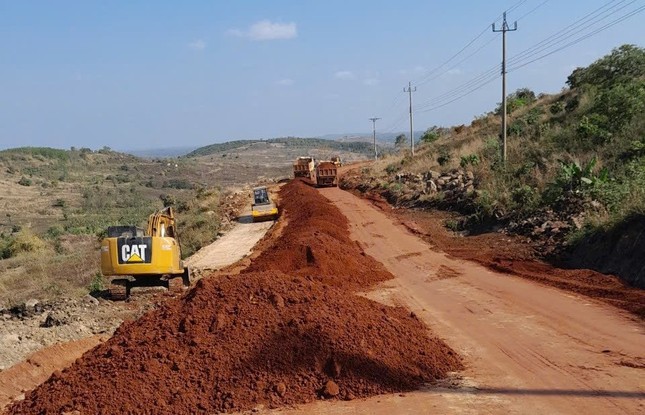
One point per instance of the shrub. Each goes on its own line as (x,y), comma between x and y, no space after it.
(24,181)
(392,168)
(98,284)
(444,157)
(557,107)
(471,159)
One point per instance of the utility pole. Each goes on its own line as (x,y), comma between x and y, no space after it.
(505,28)
(374,131)
(409,90)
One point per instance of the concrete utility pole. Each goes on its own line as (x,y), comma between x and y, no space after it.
(409,90)
(504,29)
(374,131)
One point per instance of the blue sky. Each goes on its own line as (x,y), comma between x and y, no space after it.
(150,74)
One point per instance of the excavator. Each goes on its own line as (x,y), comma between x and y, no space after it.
(263,208)
(134,258)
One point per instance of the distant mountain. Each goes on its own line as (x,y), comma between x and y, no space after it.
(382,138)
(161,152)
(312,143)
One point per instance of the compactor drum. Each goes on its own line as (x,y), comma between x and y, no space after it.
(132,257)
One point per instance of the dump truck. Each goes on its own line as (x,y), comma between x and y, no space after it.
(263,208)
(336,160)
(304,167)
(326,174)
(133,257)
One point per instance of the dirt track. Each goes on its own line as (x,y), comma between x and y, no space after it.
(529,348)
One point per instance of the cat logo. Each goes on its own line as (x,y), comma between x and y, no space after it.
(133,253)
(134,250)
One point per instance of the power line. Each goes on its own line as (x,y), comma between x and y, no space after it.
(486,77)
(580,39)
(564,34)
(532,10)
(461,96)
(425,77)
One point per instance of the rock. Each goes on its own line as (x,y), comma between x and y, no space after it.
(331,389)
(88,299)
(281,389)
(470,175)
(470,189)
(432,186)
(441,182)
(54,319)
(277,300)
(31,304)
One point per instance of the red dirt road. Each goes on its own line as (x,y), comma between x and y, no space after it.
(528,348)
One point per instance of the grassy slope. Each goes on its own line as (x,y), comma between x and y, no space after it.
(57,203)
(576,155)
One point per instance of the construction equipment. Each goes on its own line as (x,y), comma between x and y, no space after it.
(262,207)
(336,161)
(326,174)
(134,258)
(304,167)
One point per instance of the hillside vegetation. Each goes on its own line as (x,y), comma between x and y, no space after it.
(575,168)
(57,205)
(301,143)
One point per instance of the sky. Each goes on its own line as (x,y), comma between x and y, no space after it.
(158,74)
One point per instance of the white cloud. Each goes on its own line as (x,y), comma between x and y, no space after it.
(198,44)
(267,30)
(345,75)
(285,82)
(371,81)
(454,71)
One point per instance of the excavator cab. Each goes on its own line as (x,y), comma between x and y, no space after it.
(132,257)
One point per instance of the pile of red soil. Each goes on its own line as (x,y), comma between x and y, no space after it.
(316,243)
(277,337)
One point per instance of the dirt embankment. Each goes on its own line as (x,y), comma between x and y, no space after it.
(287,334)
(513,255)
(619,250)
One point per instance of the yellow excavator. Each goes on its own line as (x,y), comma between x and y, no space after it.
(134,258)
(262,207)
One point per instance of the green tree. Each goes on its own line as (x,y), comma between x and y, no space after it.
(431,134)
(400,141)
(624,63)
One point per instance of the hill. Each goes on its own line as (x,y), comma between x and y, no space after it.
(302,144)
(574,178)
(57,203)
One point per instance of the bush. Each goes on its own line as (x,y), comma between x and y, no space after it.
(178,184)
(444,157)
(98,284)
(25,181)
(22,242)
(557,107)
(392,168)
(471,160)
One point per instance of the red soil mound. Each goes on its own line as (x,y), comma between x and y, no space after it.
(278,337)
(316,243)
(233,343)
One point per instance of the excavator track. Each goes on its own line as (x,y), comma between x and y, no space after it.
(118,292)
(176,285)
